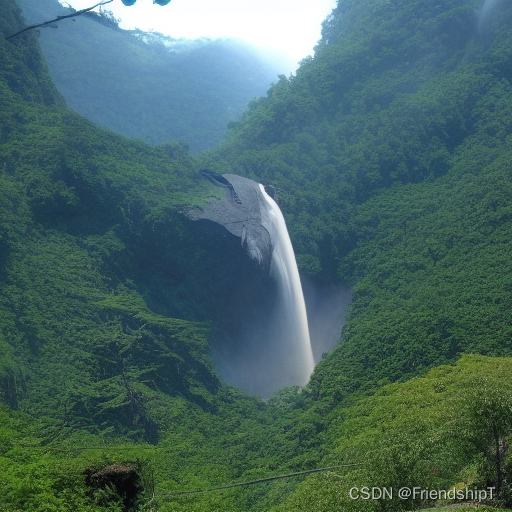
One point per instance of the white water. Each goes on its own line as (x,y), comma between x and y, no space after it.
(486,13)
(294,331)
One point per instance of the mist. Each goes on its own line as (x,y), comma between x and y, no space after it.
(487,15)
(250,346)
(150,86)
(326,305)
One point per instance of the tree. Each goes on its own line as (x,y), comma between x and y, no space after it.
(489,413)
(74,14)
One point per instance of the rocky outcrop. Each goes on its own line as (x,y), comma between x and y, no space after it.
(239,211)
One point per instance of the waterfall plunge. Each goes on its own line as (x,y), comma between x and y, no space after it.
(294,329)
(260,340)
(487,15)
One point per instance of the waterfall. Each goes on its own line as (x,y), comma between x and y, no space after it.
(291,309)
(260,339)
(486,15)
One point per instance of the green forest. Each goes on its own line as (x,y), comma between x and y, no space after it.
(390,153)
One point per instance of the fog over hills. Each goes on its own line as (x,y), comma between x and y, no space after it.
(150,86)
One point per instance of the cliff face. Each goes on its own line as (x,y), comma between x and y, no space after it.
(239,211)
(97,264)
(23,69)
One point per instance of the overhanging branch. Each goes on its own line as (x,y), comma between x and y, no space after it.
(59,18)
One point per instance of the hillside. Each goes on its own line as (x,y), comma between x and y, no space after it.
(434,432)
(161,88)
(389,153)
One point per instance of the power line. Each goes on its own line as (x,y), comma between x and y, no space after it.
(102,447)
(202,491)
(252,482)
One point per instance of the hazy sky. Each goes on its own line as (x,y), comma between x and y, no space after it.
(293,26)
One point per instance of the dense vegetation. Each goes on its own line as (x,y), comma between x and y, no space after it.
(390,154)
(161,88)
(435,432)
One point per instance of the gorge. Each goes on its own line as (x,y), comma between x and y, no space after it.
(128,277)
(262,343)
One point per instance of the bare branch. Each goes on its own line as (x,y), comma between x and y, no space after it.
(59,18)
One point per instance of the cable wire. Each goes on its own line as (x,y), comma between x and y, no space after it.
(252,482)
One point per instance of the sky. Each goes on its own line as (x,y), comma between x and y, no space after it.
(292,26)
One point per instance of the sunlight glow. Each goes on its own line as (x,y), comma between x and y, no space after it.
(291,26)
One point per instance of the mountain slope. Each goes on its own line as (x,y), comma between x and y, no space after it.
(106,293)
(147,86)
(435,433)
(390,155)
(366,113)
(62,181)
(397,182)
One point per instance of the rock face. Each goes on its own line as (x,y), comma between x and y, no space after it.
(256,342)
(260,337)
(239,211)
(113,482)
